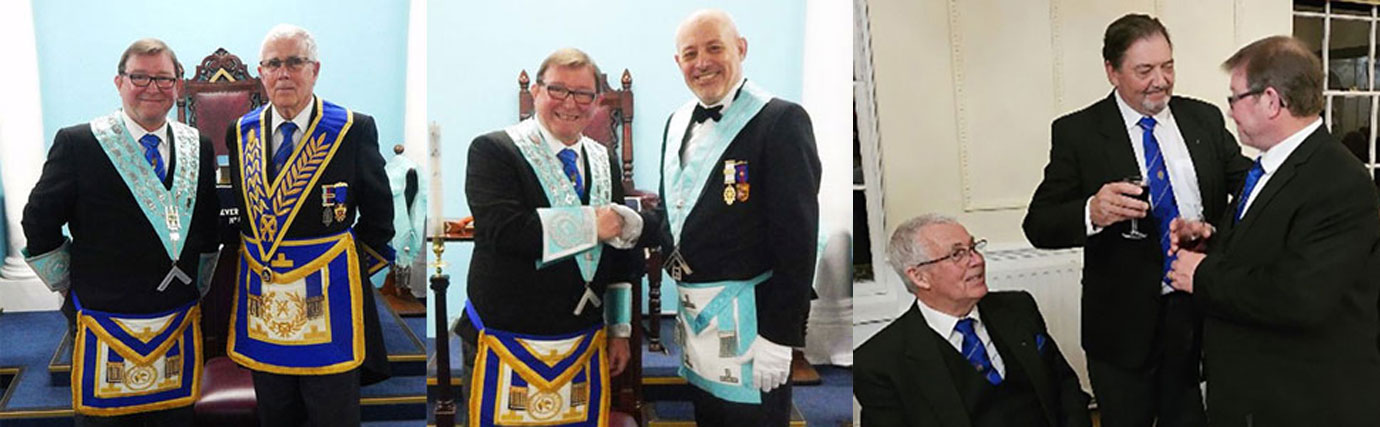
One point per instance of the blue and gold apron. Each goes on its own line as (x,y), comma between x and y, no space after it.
(717,321)
(298,307)
(532,380)
(123,364)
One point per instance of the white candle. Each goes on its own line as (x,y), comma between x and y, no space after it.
(435,218)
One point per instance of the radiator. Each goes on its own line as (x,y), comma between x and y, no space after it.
(1053,278)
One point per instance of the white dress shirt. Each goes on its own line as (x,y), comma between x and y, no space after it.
(556,145)
(1273,158)
(943,324)
(302,120)
(136,131)
(696,129)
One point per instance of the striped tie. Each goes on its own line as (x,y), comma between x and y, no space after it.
(150,143)
(1163,206)
(975,352)
(280,157)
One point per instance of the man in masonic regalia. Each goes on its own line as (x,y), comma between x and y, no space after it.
(137,193)
(316,219)
(739,218)
(551,264)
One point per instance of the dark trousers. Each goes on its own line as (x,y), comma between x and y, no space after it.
(775,410)
(1167,388)
(462,407)
(175,417)
(307,400)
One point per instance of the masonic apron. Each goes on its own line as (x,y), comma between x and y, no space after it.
(129,363)
(716,321)
(298,307)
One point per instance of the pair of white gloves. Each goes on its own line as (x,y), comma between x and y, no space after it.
(771,363)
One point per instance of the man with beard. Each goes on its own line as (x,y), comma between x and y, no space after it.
(1142,338)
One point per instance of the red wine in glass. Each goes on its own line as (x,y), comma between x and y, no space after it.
(1144,196)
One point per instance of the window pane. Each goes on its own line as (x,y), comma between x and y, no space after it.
(1349,46)
(1351,120)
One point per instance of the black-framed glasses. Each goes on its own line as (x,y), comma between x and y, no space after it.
(293,63)
(1232,99)
(143,80)
(559,92)
(958,256)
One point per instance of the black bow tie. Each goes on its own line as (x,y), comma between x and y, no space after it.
(702,113)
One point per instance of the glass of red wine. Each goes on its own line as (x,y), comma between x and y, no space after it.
(1144,196)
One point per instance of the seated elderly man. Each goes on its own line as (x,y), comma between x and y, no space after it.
(962,356)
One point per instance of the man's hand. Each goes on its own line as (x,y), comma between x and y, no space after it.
(771,364)
(1189,235)
(618,355)
(1181,271)
(1114,203)
(610,223)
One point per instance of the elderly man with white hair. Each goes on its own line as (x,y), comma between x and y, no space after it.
(316,219)
(962,356)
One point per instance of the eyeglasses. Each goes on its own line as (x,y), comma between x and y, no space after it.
(293,63)
(143,80)
(1232,99)
(958,256)
(561,93)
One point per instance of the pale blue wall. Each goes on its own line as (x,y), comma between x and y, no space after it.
(362,48)
(475,54)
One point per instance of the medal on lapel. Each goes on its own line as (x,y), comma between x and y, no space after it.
(730,195)
(740,178)
(333,197)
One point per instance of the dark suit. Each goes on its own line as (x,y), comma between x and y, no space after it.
(1288,296)
(117,260)
(906,375)
(775,229)
(370,213)
(505,286)
(1127,325)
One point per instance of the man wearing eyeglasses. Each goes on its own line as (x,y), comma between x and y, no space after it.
(1288,285)
(137,193)
(962,356)
(739,222)
(315,223)
(1142,338)
(552,264)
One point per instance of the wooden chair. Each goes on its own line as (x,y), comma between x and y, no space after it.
(212,99)
(612,126)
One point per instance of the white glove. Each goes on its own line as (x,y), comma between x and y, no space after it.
(632,227)
(771,364)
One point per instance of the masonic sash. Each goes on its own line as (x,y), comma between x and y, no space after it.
(124,364)
(531,380)
(298,307)
(568,226)
(717,321)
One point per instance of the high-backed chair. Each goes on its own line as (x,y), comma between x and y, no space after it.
(612,126)
(219,92)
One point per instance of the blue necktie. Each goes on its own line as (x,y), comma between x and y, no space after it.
(975,352)
(572,171)
(281,156)
(1252,177)
(1163,206)
(150,143)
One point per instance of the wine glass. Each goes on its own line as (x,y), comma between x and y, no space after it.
(1144,196)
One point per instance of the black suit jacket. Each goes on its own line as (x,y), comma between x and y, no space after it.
(505,286)
(1289,297)
(902,379)
(117,260)
(776,229)
(1122,277)
(370,212)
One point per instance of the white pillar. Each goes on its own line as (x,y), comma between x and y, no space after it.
(826,95)
(21,154)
